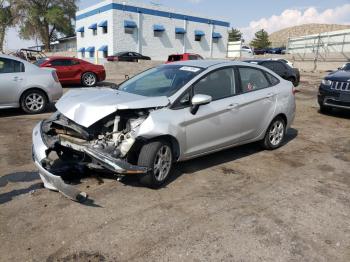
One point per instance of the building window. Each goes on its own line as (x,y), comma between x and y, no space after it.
(83,54)
(197,38)
(105,54)
(92,54)
(104,30)
(81,34)
(94,32)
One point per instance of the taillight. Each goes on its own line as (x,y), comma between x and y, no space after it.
(55,77)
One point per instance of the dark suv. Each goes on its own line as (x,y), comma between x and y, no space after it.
(280,68)
(334,91)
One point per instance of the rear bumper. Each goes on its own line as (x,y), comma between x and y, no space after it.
(55,92)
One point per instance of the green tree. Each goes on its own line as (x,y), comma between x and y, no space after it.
(261,40)
(234,35)
(45,19)
(6,20)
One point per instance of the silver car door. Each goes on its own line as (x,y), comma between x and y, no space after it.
(11,79)
(215,125)
(259,102)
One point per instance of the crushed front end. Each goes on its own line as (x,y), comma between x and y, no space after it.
(109,144)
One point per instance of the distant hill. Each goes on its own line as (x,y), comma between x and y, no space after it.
(280,38)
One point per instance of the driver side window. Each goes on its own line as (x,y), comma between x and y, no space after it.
(218,84)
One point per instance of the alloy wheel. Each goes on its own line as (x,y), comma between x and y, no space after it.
(162,163)
(276,132)
(34,102)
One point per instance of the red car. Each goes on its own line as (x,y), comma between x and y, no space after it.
(183,57)
(72,70)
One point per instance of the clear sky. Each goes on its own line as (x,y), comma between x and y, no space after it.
(249,16)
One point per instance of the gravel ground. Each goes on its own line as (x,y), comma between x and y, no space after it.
(242,204)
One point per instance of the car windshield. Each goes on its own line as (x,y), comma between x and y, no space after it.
(346,67)
(160,81)
(40,61)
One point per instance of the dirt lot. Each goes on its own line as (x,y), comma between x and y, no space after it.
(243,204)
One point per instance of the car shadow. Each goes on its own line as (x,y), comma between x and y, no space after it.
(335,112)
(211,160)
(19,177)
(99,84)
(9,112)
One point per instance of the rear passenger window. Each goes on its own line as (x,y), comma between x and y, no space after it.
(10,66)
(219,84)
(273,80)
(252,79)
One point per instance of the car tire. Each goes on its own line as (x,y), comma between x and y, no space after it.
(158,157)
(325,109)
(275,134)
(89,79)
(34,101)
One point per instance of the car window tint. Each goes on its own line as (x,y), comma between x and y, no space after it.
(219,84)
(252,79)
(269,65)
(273,80)
(279,67)
(192,57)
(10,66)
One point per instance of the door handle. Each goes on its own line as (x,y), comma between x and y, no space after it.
(233,106)
(269,95)
(16,78)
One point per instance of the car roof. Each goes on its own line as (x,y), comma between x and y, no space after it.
(12,57)
(205,63)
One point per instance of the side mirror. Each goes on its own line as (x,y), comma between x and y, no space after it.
(198,100)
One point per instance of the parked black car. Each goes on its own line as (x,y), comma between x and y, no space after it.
(127,57)
(334,91)
(275,50)
(280,68)
(258,51)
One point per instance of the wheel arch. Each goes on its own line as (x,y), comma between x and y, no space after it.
(34,89)
(140,141)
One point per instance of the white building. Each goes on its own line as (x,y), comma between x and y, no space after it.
(113,26)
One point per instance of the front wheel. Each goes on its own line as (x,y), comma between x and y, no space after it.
(89,79)
(275,134)
(158,157)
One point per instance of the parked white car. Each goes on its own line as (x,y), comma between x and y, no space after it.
(25,85)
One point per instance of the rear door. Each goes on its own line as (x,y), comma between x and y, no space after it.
(62,69)
(73,69)
(12,78)
(259,101)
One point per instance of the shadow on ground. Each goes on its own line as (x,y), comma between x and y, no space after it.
(212,160)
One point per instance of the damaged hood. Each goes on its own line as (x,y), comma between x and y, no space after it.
(87,106)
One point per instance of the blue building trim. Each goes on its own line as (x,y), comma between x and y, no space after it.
(147,11)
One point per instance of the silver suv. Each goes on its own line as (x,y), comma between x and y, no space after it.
(166,114)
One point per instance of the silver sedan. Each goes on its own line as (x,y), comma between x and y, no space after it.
(25,85)
(170,113)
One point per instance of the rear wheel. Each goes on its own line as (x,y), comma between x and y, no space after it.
(89,79)
(34,102)
(158,157)
(275,134)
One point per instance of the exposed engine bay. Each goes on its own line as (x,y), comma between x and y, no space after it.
(109,145)
(105,142)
